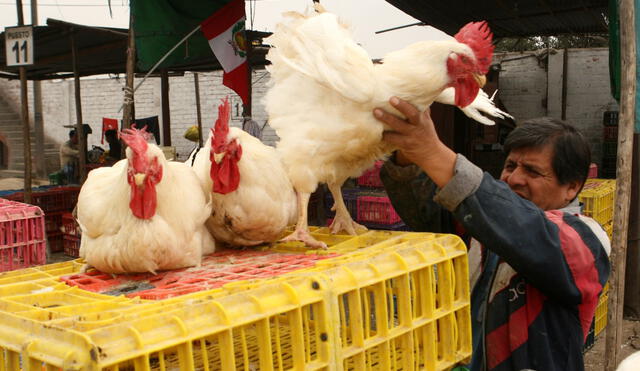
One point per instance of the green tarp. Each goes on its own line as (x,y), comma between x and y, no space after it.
(614,55)
(161,24)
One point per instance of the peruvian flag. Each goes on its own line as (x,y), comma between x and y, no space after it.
(225,31)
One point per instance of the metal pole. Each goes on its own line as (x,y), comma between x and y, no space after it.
(623,175)
(198,112)
(37,109)
(82,139)
(24,98)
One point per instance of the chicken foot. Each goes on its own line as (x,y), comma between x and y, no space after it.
(301,232)
(343,220)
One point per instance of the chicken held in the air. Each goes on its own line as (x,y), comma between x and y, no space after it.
(324,88)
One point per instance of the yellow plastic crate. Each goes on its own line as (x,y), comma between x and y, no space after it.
(402,303)
(601,310)
(597,197)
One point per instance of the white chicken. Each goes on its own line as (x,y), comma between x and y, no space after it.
(631,363)
(253,199)
(144,214)
(324,88)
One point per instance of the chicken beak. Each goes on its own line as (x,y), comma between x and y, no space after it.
(217,157)
(480,79)
(139,178)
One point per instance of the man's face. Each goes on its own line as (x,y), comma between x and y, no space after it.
(74,139)
(529,173)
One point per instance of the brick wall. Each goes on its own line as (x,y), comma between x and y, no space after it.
(102,97)
(528,88)
(531,86)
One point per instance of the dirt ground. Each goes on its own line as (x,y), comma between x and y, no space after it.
(594,357)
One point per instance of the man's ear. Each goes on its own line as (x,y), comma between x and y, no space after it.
(573,189)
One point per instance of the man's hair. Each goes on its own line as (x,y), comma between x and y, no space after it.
(72,133)
(571,153)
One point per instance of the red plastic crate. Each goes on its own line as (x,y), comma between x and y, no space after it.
(22,241)
(53,222)
(69,225)
(371,177)
(71,245)
(217,269)
(52,200)
(593,171)
(373,209)
(56,241)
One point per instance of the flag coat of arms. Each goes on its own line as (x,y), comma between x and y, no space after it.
(225,31)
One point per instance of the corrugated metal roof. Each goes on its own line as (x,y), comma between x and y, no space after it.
(512,18)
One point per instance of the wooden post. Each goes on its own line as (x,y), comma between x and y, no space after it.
(128,112)
(166,111)
(37,110)
(82,140)
(198,112)
(24,113)
(623,175)
(565,67)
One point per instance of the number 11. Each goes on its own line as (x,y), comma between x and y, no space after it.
(17,50)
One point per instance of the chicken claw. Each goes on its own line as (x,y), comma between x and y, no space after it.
(346,224)
(304,236)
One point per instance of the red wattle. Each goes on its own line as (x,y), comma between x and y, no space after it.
(143,201)
(465,92)
(225,176)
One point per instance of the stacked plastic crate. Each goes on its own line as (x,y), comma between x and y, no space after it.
(70,235)
(598,200)
(609,145)
(54,202)
(377,301)
(367,202)
(22,236)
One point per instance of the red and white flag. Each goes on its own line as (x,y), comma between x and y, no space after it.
(225,31)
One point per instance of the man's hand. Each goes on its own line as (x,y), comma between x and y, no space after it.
(417,140)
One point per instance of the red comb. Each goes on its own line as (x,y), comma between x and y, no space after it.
(478,37)
(136,139)
(221,128)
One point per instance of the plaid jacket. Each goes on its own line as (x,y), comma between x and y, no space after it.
(536,275)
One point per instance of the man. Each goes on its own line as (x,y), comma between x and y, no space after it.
(536,266)
(115,147)
(69,155)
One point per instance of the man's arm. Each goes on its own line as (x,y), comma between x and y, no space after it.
(411,193)
(542,249)
(555,251)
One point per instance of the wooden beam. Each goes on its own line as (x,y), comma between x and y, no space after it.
(128,111)
(24,113)
(82,139)
(623,175)
(166,111)
(38,124)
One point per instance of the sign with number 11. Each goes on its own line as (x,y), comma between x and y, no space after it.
(18,44)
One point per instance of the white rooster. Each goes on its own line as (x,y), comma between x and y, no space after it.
(324,88)
(253,199)
(144,214)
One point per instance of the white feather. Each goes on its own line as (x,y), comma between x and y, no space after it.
(482,103)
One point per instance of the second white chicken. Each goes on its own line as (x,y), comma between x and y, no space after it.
(253,199)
